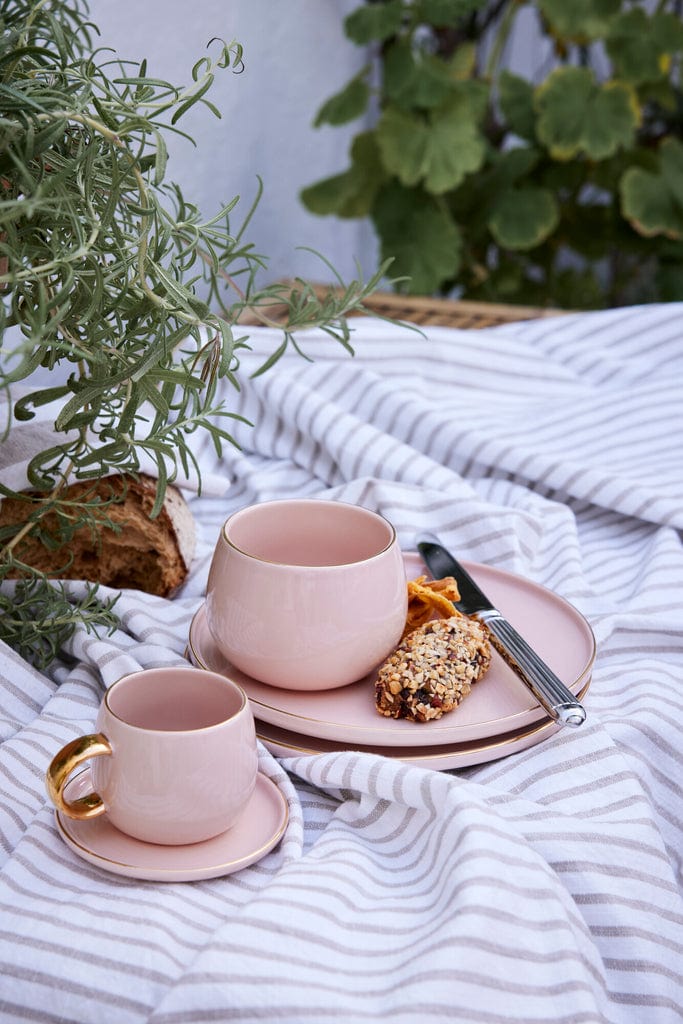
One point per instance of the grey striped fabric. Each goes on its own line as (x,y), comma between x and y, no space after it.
(542,887)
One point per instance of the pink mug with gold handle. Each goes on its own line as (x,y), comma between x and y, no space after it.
(174,757)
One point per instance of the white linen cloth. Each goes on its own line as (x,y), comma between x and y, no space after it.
(543,887)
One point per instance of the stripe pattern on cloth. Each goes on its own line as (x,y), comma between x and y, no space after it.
(545,886)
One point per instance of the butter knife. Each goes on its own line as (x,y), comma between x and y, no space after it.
(550,692)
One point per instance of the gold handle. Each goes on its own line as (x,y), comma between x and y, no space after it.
(61,767)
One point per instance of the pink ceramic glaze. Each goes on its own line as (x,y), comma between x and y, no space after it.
(306,594)
(174,758)
(499,703)
(255,832)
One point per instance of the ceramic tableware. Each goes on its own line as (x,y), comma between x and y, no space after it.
(442,757)
(257,831)
(174,758)
(306,594)
(498,705)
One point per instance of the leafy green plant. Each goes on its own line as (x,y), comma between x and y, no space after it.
(563,189)
(114,282)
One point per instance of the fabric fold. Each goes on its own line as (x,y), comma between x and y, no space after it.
(542,886)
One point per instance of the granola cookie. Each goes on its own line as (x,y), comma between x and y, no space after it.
(432,670)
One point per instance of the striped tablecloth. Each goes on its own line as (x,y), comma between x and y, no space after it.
(543,887)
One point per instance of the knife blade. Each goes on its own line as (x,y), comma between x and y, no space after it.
(550,692)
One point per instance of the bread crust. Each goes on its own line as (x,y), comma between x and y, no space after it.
(152,555)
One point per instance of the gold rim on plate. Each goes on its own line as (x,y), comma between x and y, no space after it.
(413,754)
(342,716)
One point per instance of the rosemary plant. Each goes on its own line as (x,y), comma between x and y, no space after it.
(112,279)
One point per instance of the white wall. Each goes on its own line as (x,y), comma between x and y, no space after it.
(296,56)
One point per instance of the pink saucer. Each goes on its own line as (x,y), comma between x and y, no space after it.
(258,830)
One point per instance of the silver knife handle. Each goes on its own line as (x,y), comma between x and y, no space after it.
(550,692)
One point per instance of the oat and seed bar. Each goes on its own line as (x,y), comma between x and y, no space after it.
(433,669)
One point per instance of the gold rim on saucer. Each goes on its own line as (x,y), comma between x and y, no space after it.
(151,866)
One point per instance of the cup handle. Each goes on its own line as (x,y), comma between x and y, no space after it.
(62,765)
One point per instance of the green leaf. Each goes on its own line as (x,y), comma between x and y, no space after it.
(524,217)
(399,72)
(455,148)
(272,358)
(162,483)
(38,617)
(513,164)
(413,79)
(652,201)
(663,93)
(352,193)
(667,29)
(474,201)
(194,98)
(639,45)
(561,103)
(516,98)
(471,100)
(345,105)
(418,233)
(374,22)
(154,397)
(329,195)
(463,62)
(611,120)
(440,151)
(579,20)
(649,207)
(576,115)
(402,140)
(160,158)
(23,406)
(446,13)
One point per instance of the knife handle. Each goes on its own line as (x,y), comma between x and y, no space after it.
(550,692)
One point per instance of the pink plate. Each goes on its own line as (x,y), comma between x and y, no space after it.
(258,830)
(498,705)
(282,743)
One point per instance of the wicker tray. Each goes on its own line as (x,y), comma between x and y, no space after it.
(421,310)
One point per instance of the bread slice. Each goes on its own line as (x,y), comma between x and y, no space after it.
(152,555)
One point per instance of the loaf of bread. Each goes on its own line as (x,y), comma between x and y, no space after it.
(153,555)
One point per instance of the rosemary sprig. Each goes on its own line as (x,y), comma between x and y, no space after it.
(38,617)
(115,281)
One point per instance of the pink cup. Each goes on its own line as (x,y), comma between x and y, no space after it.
(174,757)
(306,594)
